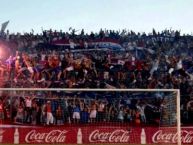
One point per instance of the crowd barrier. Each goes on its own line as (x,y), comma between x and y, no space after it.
(93,135)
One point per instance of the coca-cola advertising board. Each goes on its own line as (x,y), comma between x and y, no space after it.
(93,135)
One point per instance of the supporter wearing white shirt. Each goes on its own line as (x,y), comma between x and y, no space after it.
(121,114)
(72,44)
(85,45)
(181,70)
(154,67)
(133,61)
(179,65)
(141,109)
(28,108)
(43,57)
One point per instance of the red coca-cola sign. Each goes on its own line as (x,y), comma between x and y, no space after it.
(53,136)
(95,134)
(172,137)
(116,136)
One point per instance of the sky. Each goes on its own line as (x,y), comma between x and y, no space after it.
(91,15)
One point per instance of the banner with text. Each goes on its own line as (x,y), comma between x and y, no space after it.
(93,134)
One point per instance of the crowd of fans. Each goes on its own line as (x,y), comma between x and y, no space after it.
(108,59)
(58,108)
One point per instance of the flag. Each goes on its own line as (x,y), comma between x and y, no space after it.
(70,28)
(32,30)
(3,26)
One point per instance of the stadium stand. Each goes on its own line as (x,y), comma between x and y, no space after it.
(107,59)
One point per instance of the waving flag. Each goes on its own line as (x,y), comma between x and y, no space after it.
(4,26)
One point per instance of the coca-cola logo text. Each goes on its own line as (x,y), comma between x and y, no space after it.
(169,137)
(118,135)
(54,136)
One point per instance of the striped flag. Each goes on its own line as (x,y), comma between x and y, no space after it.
(4,26)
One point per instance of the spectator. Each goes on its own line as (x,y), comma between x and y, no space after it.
(84,116)
(1,111)
(141,109)
(93,111)
(100,112)
(20,115)
(76,111)
(121,114)
(2,69)
(49,118)
(59,116)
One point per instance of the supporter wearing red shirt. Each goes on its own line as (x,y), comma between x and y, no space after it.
(50,118)
(139,65)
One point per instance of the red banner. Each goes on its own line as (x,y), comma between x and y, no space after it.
(93,134)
